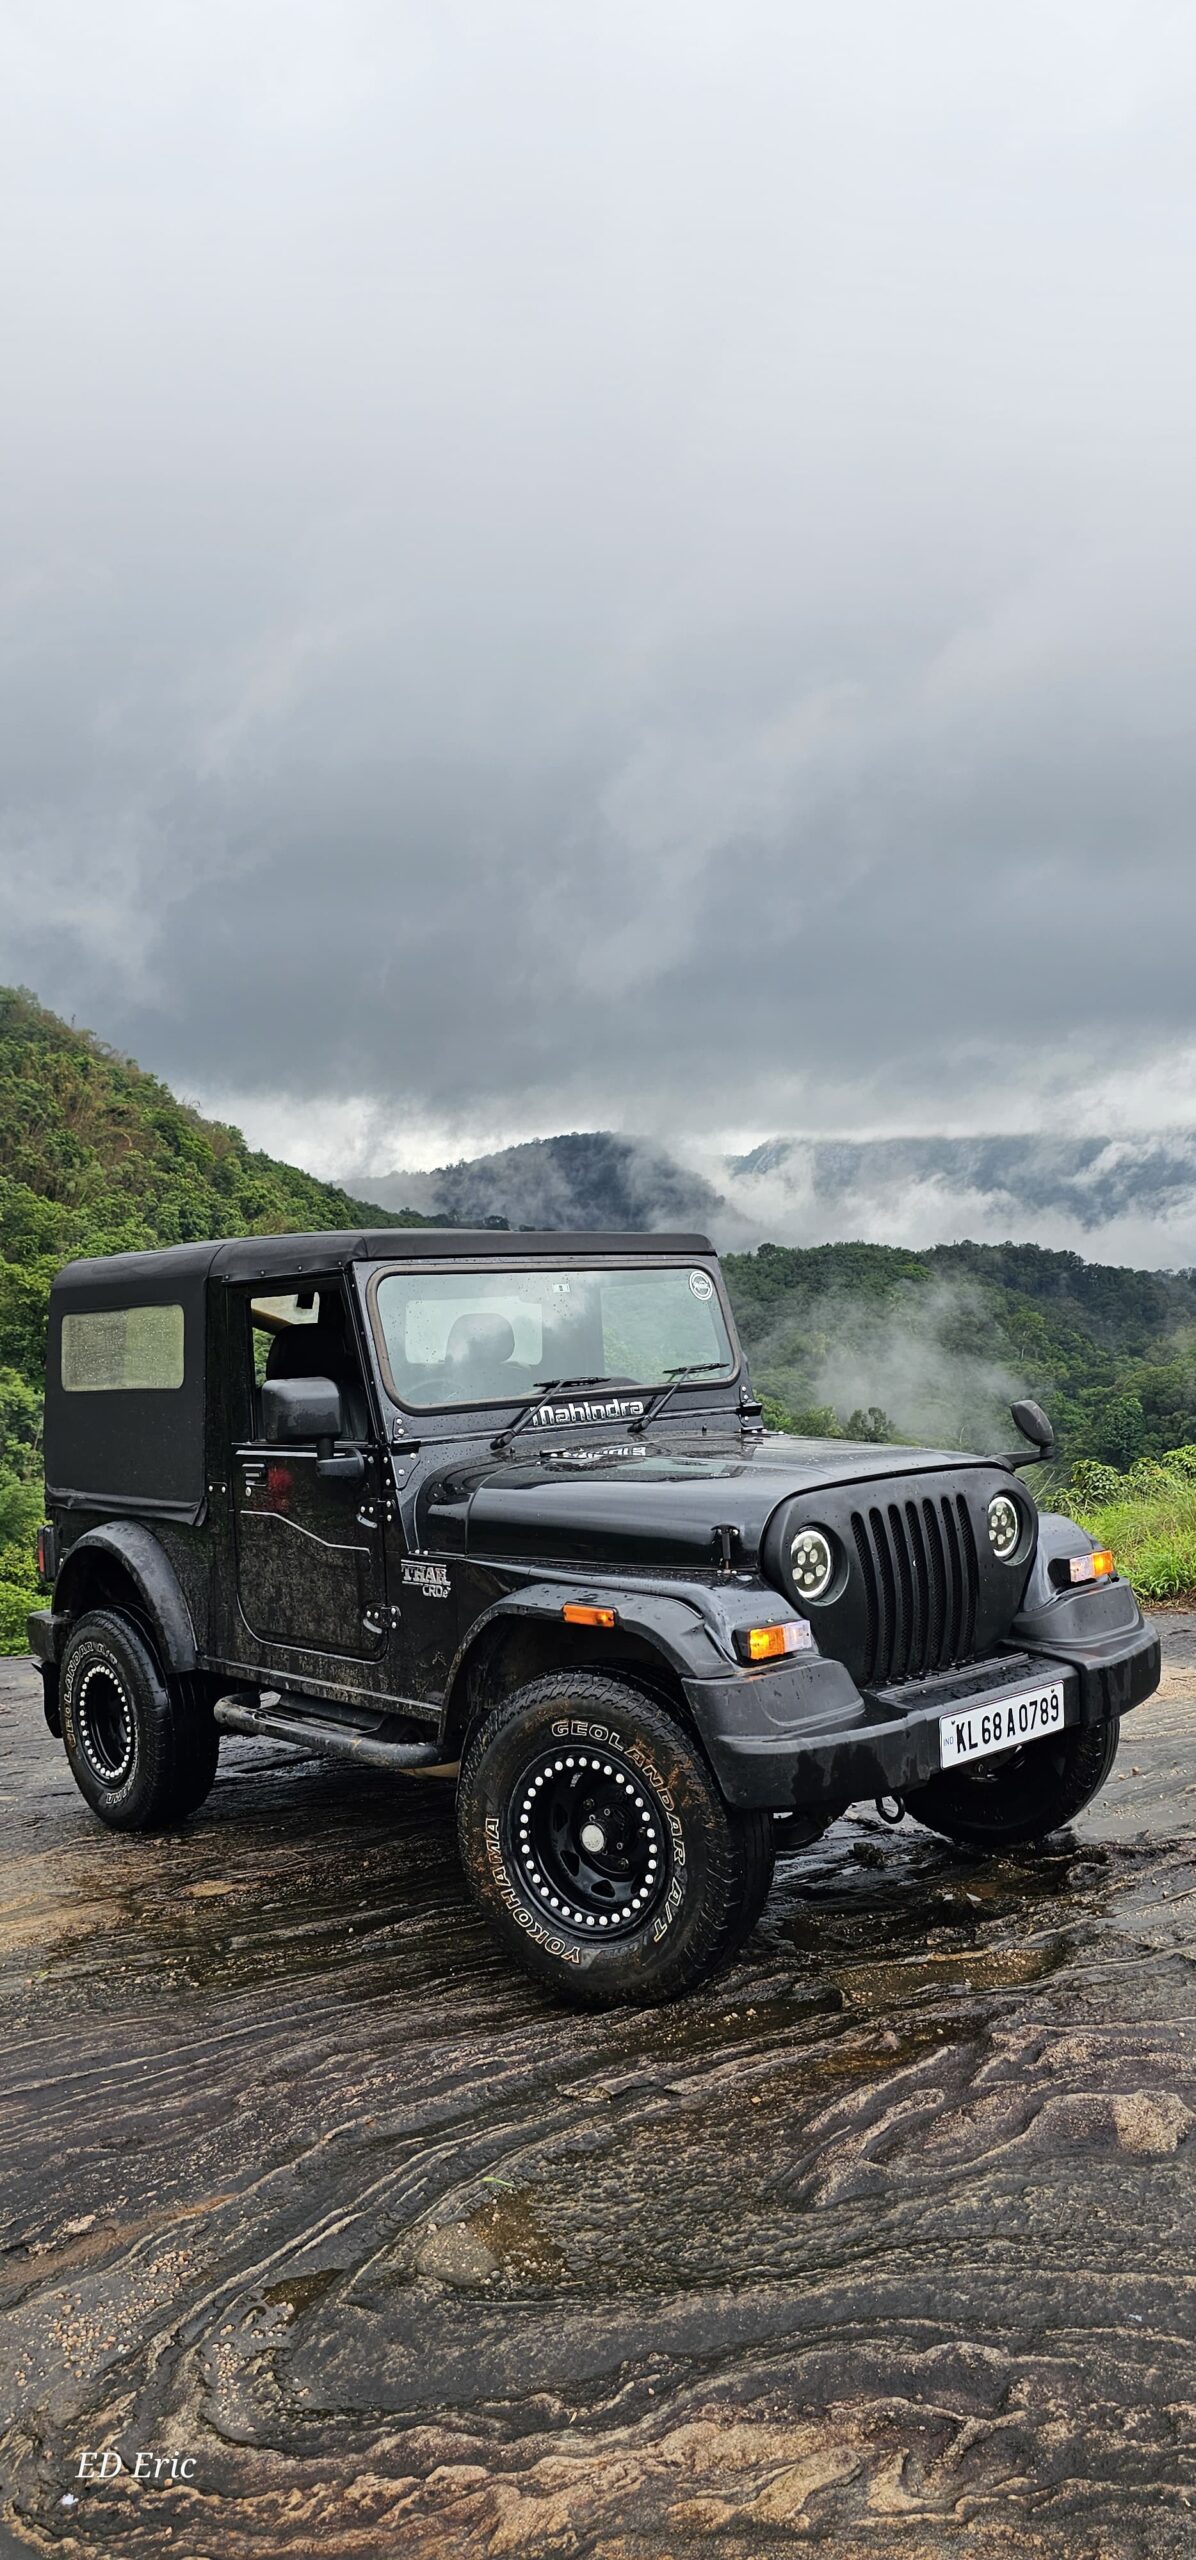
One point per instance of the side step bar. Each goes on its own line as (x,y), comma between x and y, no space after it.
(303,1722)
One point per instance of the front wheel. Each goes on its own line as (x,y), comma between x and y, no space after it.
(598,1846)
(1019,1795)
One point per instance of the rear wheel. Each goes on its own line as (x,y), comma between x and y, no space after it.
(597,1844)
(142,1755)
(1019,1795)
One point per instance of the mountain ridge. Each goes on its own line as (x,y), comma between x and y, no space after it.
(1135,1193)
(928,1342)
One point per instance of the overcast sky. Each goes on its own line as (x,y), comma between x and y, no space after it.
(604,562)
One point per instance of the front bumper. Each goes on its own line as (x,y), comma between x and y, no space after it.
(804,1735)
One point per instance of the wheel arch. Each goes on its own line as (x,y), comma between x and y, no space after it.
(524,1636)
(122,1566)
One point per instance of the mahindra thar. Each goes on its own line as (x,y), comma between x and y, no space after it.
(502,1507)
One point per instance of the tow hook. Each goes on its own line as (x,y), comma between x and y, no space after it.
(891,1809)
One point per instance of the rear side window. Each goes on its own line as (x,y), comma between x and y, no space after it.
(117,1348)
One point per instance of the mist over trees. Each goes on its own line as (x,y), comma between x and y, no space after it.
(859,1340)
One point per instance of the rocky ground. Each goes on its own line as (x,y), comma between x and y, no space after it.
(886,2244)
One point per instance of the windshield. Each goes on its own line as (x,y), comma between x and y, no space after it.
(491,1337)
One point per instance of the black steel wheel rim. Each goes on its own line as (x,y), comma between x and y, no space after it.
(104,1721)
(590,1840)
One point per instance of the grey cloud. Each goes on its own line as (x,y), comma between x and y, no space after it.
(1129,1199)
(605,565)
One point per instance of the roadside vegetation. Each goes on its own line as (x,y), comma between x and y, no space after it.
(1147,1517)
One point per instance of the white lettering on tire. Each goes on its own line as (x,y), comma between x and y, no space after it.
(520,1914)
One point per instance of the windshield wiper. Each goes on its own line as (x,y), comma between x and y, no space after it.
(544,1387)
(676,1378)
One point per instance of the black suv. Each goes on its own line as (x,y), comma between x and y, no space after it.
(503,1504)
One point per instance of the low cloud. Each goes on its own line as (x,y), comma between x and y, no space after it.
(920,1360)
(605,568)
(1128,1199)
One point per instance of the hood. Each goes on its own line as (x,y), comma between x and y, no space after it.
(655,1502)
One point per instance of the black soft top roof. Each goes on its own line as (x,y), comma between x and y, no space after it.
(259,1257)
(140,1449)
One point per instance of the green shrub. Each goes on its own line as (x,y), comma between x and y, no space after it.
(818,1422)
(1152,1534)
(1092,1483)
(16,1601)
(871,1422)
(1163,1569)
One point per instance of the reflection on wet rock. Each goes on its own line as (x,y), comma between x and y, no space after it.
(881,2245)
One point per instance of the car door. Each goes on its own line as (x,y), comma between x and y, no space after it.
(309,1543)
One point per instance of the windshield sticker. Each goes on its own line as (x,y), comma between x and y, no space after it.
(701,1284)
(431,1579)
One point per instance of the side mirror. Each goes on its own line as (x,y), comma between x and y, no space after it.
(311,1409)
(302,1409)
(1034,1427)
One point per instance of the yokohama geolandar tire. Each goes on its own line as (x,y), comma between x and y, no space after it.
(142,1758)
(597,1844)
(1019,1795)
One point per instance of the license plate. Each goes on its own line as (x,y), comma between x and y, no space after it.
(975,1731)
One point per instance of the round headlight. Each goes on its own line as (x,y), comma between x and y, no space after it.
(812,1563)
(1004,1526)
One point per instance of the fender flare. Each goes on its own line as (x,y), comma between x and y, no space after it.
(153,1577)
(676,1629)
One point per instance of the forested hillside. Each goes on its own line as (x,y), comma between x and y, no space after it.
(98,1157)
(867,1340)
(939,1342)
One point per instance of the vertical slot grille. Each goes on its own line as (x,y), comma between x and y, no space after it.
(920,1581)
(971,1572)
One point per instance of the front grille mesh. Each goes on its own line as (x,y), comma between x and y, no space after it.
(920,1577)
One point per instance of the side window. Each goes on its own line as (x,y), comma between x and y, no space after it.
(269,1318)
(122,1348)
(305,1333)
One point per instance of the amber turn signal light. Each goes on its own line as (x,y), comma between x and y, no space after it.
(1092,1568)
(577,1616)
(767,1644)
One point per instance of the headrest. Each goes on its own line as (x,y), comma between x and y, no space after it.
(307,1350)
(482,1338)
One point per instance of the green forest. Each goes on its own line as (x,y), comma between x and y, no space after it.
(881,1344)
(856,1340)
(949,1330)
(98,1157)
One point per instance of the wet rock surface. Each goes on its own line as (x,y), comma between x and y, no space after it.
(885,2244)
